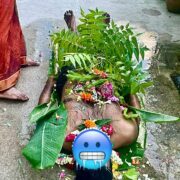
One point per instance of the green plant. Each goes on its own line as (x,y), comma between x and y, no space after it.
(110,48)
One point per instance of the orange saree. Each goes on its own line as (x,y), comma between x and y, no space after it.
(12,45)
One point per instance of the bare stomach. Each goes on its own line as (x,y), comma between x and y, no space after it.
(125,131)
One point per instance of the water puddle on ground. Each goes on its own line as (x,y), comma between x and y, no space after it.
(163,143)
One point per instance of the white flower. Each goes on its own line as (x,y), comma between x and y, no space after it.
(115,158)
(76,132)
(79,98)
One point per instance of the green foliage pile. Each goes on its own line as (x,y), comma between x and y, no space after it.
(110,48)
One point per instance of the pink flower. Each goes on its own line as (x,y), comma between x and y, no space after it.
(106,90)
(113,99)
(107,129)
(70,137)
(62,175)
(122,108)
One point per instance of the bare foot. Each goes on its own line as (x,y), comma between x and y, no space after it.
(70,20)
(30,62)
(107,18)
(46,93)
(13,94)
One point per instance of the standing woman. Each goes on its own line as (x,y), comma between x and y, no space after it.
(12,51)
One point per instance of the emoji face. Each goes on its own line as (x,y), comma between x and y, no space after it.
(92,149)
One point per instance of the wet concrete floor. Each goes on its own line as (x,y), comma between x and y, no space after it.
(39,19)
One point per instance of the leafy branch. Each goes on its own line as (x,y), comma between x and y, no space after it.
(111,48)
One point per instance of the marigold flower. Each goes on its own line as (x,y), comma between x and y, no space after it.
(86,97)
(100,73)
(89,123)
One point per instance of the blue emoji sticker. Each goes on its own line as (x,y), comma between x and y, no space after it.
(92,149)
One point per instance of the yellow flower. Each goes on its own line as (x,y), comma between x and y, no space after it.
(114,166)
(116,174)
(89,123)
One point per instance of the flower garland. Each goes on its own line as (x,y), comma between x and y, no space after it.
(100,94)
(116,160)
(99,91)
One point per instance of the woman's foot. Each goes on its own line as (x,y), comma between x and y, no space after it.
(13,94)
(30,62)
(70,20)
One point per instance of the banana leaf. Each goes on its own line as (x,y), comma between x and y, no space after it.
(42,111)
(131,174)
(43,149)
(154,117)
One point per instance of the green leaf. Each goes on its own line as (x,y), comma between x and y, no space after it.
(78,60)
(75,76)
(71,58)
(129,115)
(59,115)
(154,117)
(102,122)
(142,52)
(134,41)
(96,83)
(131,174)
(41,111)
(99,123)
(46,143)
(134,87)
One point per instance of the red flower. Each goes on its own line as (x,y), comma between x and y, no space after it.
(70,137)
(107,129)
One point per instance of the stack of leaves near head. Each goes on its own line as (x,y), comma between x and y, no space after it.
(107,47)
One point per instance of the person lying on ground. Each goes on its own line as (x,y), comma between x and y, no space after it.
(125,132)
